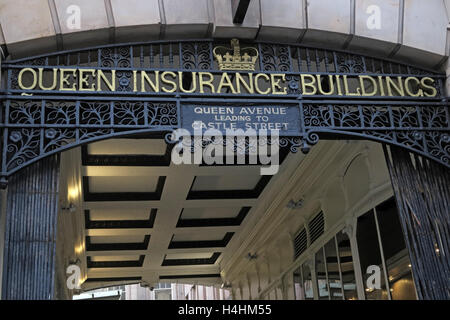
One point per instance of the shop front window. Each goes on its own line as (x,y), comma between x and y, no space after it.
(335,276)
(381,244)
(333,270)
(347,268)
(298,285)
(321,276)
(307,282)
(396,256)
(370,256)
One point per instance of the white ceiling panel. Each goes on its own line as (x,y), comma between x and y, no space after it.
(228,182)
(114,258)
(120,214)
(198,236)
(118,239)
(123,184)
(210,213)
(193,255)
(128,147)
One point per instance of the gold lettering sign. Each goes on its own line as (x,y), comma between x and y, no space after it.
(231,79)
(79,79)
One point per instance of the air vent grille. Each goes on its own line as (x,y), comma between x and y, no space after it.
(316,227)
(300,243)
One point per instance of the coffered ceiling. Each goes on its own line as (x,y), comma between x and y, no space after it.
(149,220)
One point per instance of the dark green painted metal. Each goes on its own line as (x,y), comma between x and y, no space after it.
(30,238)
(422,192)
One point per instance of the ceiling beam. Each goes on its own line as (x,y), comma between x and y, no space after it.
(239,9)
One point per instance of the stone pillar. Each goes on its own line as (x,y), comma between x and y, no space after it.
(422,191)
(30,232)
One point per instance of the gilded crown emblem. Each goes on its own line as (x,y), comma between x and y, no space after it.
(231,58)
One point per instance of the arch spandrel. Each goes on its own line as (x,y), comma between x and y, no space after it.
(39,120)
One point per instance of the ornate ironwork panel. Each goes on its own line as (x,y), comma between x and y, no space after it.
(54,102)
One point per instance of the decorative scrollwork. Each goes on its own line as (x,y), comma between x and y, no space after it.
(376,116)
(275,58)
(349,63)
(383,135)
(115,57)
(293,143)
(435,144)
(434,117)
(24,146)
(162,114)
(268,58)
(129,113)
(312,138)
(293,86)
(171,138)
(405,117)
(438,145)
(317,115)
(188,56)
(203,56)
(95,113)
(284,62)
(238,145)
(413,139)
(125,81)
(25,112)
(57,138)
(346,116)
(196,56)
(62,112)
(88,134)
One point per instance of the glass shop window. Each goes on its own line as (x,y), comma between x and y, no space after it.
(321,276)
(396,256)
(298,285)
(333,270)
(347,268)
(307,282)
(370,255)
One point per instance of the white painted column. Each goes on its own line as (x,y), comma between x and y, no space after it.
(350,230)
(312,267)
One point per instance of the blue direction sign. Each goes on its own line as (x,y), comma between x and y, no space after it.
(284,118)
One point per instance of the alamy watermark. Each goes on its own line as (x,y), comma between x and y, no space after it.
(74,279)
(374,19)
(373,282)
(236,146)
(73,21)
